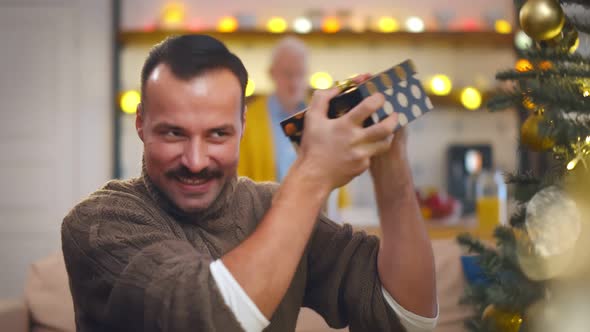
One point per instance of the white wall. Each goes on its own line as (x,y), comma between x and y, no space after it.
(55,122)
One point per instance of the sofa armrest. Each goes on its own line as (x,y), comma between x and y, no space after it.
(13,315)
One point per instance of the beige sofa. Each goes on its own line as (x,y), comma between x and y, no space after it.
(47,306)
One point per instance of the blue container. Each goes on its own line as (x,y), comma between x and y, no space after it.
(473,271)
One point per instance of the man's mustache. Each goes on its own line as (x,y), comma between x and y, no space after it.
(184,172)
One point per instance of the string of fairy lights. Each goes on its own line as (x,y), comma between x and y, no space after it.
(173,17)
(439,85)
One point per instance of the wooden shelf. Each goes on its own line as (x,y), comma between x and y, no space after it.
(466,39)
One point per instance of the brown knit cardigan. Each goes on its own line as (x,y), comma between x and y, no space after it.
(135,263)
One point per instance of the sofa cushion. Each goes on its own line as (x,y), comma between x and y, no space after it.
(48,297)
(450,285)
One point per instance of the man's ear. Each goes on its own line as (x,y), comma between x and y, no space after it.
(244,121)
(139,121)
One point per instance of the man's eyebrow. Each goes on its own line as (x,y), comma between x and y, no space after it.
(223,127)
(166,125)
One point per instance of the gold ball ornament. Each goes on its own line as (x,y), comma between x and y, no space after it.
(542,19)
(502,320)
(529,134)
(567,42)
(574,41)
(575,46)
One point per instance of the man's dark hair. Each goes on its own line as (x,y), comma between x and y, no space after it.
(191,55)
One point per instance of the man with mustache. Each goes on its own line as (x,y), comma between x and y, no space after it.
(189,246)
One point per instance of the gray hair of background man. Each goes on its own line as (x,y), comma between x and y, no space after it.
(289,44)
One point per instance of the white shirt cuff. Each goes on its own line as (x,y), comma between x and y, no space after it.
(252,320)
(245,310)
(411,321)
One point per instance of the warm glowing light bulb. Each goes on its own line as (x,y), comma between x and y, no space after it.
(503,26)
(523,65)
(471,98)
(414,24)
(302,25)
(250,87)
(276,25)
(441,85)
(572,164)
(321,80)
(331,25)
(173,15)
(387,24)
(227,24)
(129,101)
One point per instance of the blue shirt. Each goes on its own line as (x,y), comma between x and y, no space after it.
(284,151)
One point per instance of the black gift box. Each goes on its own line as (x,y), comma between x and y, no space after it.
(404,94)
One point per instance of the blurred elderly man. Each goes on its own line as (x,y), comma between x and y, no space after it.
(266,153)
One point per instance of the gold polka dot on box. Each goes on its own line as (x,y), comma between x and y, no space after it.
(403,93)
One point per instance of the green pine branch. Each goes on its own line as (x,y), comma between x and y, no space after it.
(502,101)
(555,95)
(527,185)
(581,26)
(527,178)
(566,112)
(573,72)
(517,220)
(584,3)
(559,92)
(553,55)
(506,287)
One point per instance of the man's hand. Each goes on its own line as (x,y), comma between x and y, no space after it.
(334,151)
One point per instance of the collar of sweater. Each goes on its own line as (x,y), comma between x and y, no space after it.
(203,217)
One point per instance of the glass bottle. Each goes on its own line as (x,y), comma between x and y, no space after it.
(491,201)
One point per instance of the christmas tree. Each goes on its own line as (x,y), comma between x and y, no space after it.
(537,275)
